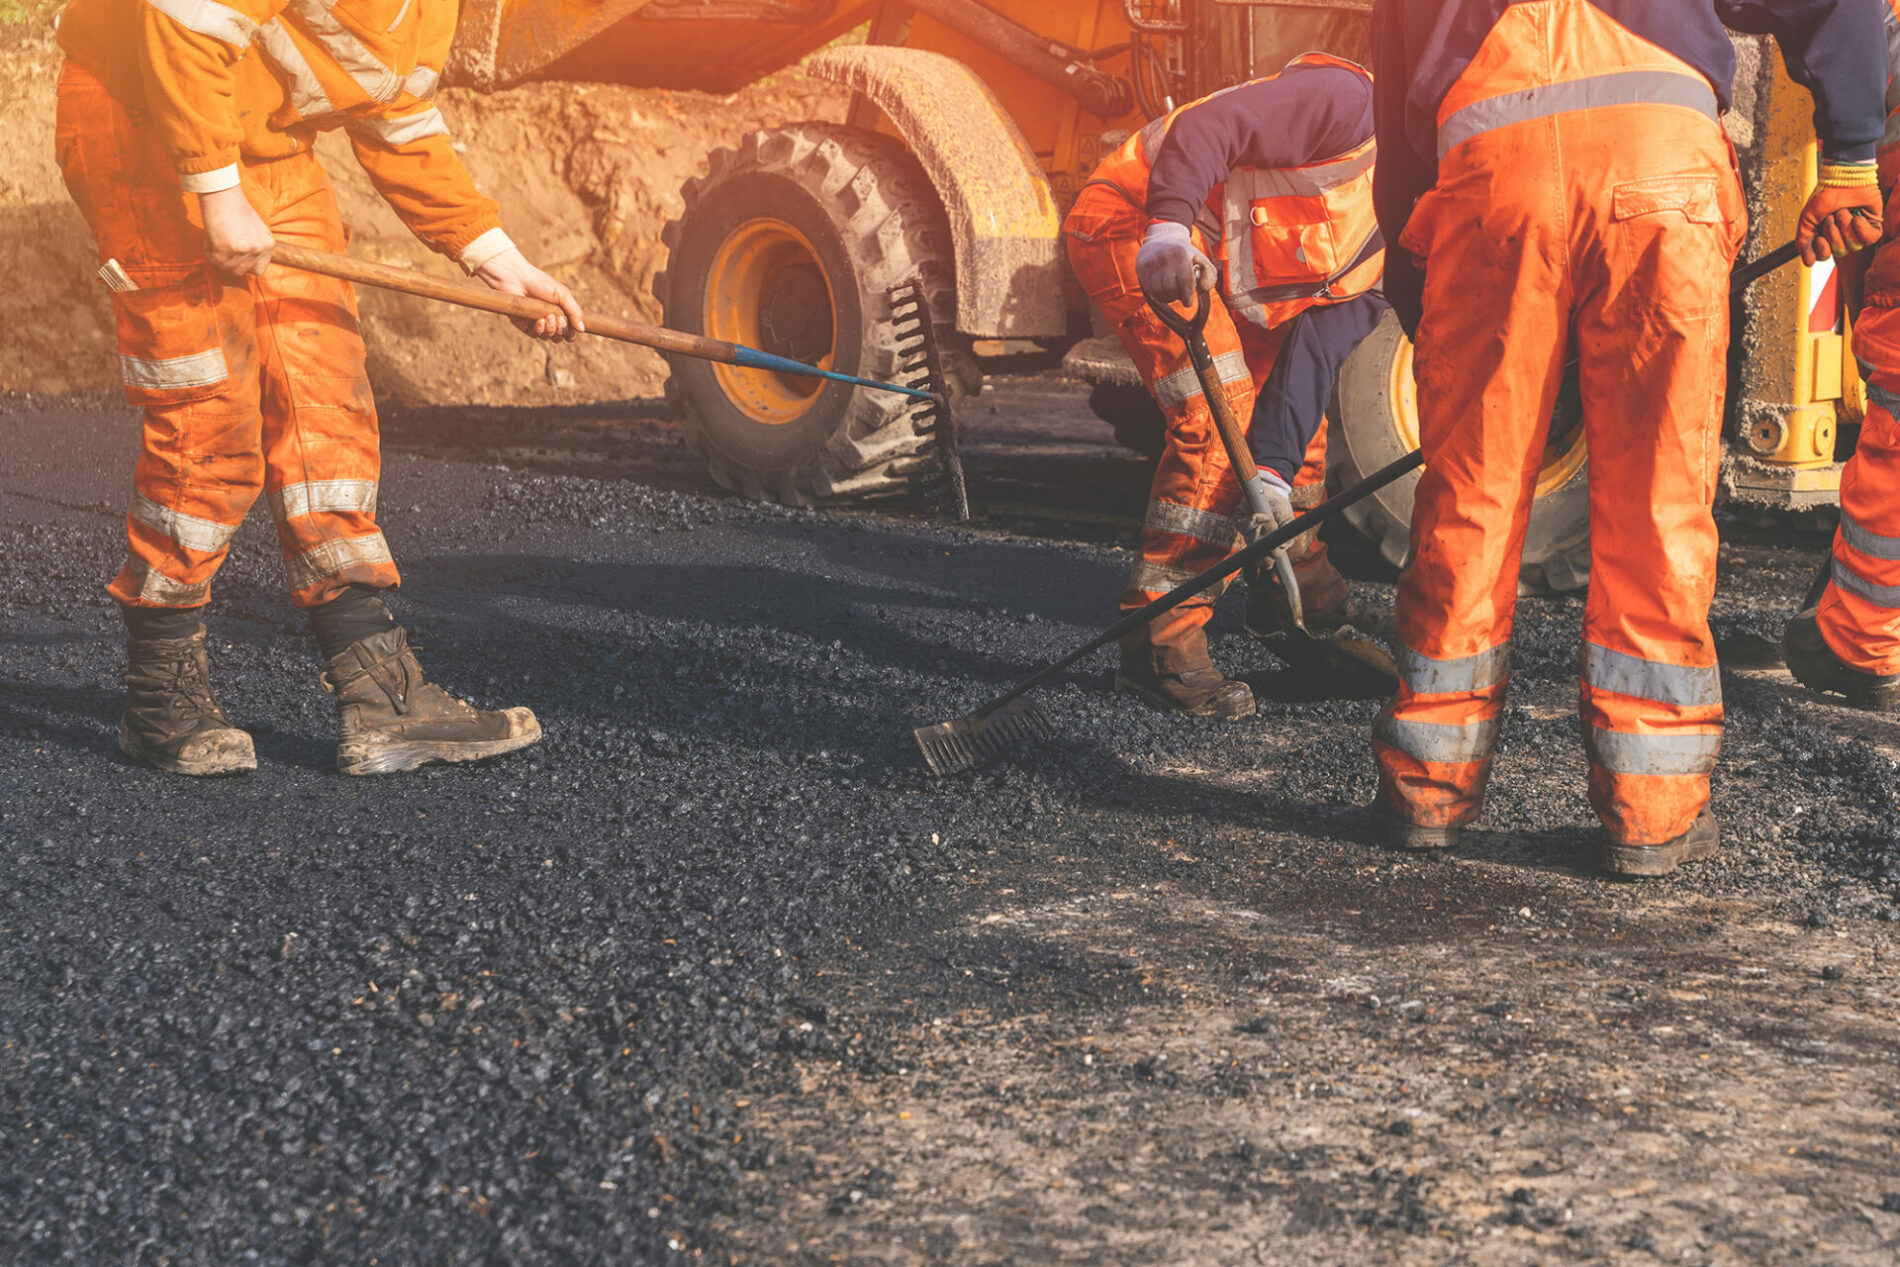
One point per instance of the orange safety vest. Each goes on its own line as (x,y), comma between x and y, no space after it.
(1287,238)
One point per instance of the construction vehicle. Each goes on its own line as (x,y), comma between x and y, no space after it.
(972,126)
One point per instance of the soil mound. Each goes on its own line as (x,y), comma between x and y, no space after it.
(586,174)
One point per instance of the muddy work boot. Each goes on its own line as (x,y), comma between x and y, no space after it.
(170,721)
(1640,861)
(1395,832)
(394,719)
(1181,677)
(1816,667)
(1323,594)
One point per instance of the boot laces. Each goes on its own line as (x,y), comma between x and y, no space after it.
(181,679)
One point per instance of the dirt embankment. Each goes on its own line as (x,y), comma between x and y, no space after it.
(586,175)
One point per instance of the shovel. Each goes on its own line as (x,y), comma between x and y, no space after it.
(1353,663)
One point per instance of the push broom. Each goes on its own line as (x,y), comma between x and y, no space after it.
(939,479)
(1012,720)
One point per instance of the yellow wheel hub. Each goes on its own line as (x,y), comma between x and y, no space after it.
(767,289)
(1564,452)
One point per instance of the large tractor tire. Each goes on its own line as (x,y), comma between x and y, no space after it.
(788,244)
(1375,422)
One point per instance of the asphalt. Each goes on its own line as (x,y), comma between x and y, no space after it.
(499,1013)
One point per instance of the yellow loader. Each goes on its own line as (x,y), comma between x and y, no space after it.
(973,123)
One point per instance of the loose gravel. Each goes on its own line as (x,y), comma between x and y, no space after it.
(499,1013)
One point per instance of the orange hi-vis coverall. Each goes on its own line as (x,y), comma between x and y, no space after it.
(1584,185)
(1286,240)
(1859,615)
(256,386)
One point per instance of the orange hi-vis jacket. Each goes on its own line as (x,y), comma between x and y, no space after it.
(225,80)
(1290,238)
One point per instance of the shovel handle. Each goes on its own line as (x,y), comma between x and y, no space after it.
(410,282)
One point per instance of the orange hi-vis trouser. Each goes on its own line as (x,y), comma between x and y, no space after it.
(1859,615)
(1860,610)
(246,388)
(1562,208)
(1195,503)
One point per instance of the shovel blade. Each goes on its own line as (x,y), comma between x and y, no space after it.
(1344,664)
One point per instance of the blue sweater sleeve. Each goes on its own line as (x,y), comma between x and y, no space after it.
(1303,115)
(1837,50)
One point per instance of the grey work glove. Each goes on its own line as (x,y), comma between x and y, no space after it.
(1169,266)
(1270,498)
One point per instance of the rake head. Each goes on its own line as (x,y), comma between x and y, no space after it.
(938,480)
(967,742)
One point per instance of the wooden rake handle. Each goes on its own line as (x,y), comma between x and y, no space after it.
(410,282)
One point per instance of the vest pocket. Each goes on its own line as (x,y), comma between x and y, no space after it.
(1294,244)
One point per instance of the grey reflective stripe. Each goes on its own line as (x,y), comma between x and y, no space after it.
(189,531)
(412,127)
(1188,521)
(378,82)
(200,369)
(1184,385)
(1621,752)
(1248,185)
(207,17)
(307,96)
(1678,684)
(1427,676)
(1157,578)
(1884,398)
(1867,541)
(1854,583)
(318,496)
(1621,88)
(1438,741)
(422,81)
(333,558)
(156,587)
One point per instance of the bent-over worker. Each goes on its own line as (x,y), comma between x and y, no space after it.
(185,130)
(1559,170)
(1264,189)
(1849,644)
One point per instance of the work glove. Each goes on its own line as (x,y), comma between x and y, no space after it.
(1843,213)
(1271,500)
(1169,266)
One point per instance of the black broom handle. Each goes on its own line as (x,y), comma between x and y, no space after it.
(1219,572)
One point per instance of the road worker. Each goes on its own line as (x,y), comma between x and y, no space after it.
(1849,645)
(1557,176)
(1263,190)
(184,133)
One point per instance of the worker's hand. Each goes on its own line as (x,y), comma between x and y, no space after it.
(1168,265)
(237,241)
(511,274)
(1838,219)
(1271,501)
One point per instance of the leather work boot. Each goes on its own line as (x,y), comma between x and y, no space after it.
(1323,593)
(1181,677)
(394,719)
(170,721)
(1816,667)
(1637,861)
(1393,832)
